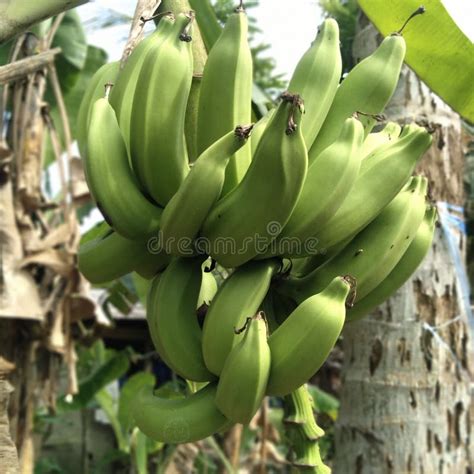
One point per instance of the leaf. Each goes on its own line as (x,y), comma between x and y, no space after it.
(71,38)
(114,368)
(127,394)
(106,402)
(437,50)
(324,402)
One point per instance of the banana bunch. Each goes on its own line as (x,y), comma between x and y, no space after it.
(312,213)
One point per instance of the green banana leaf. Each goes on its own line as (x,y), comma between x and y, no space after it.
(111,370)
(106,402)
(437,50)
(324,402)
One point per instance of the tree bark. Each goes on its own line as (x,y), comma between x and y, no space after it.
(406,396)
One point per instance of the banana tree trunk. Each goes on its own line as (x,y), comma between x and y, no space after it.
(406,397)
(17,16)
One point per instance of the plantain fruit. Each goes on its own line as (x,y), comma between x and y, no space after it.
(112,256)
(382,174)
(389,133)
(329,181)
(374,252)
(237,299)
(184,214)
(172,319)
(111,180)
(178,420)
(157,141)
(303,341)
(123,93)
(253,214)
(225,98)
(409,262)
(244,377)
(258,130)
(316,78)
(367,88)
(94,91)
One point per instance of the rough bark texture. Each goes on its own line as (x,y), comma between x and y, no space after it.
(406,397)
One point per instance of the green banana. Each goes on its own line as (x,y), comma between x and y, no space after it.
(238,298)
(111,256)
(303,341)
(185,212)
(94,91)
(390,132)
(382,175)
(316,78)
(225,99)
(367,88)
(299,410)
(244,377)
(255,212)
(112,182)
(123,93)
(157,141)
(374,252)
(329,181)
(409,262)
(258,130)
(172,319)
(178,420)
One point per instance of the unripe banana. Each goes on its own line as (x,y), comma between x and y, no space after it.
(238,298)
(254,213)
(389,133)
(94,91)
(123,92)
(329,181)
(172,319)
(225,99)
(178,420)
(244,377)
(316,78)
(367,88)
(157,142)
(184,214)
(111,180)
(410,261)
(258,130)
(303,341)
(299,411)
(374,252)
(111,256)
(382,174)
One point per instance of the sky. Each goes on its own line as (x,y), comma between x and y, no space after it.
(289,30)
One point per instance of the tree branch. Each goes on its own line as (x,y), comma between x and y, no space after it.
(19,16)
(18,69)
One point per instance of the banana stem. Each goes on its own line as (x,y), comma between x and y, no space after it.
(419,11)
(353,292)
(108,87)
(241,7)
(154,17)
